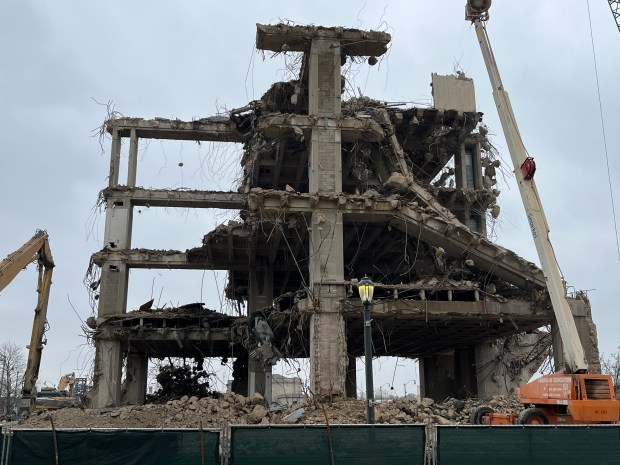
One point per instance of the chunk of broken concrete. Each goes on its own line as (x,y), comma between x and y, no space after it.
(397,181)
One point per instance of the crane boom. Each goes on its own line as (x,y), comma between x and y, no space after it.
(524,170)
(615,10)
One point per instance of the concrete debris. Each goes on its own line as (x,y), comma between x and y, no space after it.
(294,416)
(235,409)
(267,354)
(397,181)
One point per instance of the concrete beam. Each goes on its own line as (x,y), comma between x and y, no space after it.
(159,260)
(299,38)
(134,388)
(420,309)
(141,197)
(353,129)
(159,335)
(456,239)
(214,129)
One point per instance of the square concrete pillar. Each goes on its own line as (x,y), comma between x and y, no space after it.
(260,296)
(134,388)
(586,329)
(328,357)
(351,379)
(112,296)
(437,377)
(324,81)
(107,382)
(328,354)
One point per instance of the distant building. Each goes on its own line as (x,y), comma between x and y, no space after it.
(285,391)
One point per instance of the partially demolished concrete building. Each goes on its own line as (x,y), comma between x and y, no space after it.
(333,190)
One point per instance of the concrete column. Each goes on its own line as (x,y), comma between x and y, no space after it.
(496,362)
(260,296)
(328,355)
(240,374)
(107,379)
(132,168)
(588,338)
(115,159)
(351,379)
(136,379)
(437,377)
(461,162)
(113,291)
(328,347)
(475,148)
(465,372)
(460,175)
(324,85)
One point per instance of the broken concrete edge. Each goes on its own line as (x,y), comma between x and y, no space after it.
(221,129)
(353,128)
(181,197)
(297,38)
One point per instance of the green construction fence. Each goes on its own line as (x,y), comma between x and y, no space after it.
(524,445)
(320,444)
(106,447)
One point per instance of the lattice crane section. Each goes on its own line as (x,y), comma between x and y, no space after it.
(615,10)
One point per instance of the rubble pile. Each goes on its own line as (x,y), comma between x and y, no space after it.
(189,412)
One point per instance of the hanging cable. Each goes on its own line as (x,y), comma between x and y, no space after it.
(600,106)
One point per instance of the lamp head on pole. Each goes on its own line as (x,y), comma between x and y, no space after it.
(366,288)
(477,9)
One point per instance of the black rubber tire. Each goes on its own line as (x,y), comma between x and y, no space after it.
(532,416)
(477,415)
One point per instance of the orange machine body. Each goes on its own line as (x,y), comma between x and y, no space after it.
(564,399)
(573,398)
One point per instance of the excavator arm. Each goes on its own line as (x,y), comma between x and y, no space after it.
(36,249)
(67,381)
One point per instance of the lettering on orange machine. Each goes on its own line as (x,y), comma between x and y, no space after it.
(556,388)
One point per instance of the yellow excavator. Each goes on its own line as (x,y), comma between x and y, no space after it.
(36,249)
(68,393)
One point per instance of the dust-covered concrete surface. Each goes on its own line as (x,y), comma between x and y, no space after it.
(189,412)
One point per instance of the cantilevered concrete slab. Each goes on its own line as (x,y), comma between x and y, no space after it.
(208,129)
(175,198)
(284,37)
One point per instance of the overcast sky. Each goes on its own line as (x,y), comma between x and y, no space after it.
(192,59)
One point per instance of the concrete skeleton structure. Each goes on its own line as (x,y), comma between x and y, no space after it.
(333,190)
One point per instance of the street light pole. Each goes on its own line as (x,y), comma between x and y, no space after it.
(366,289)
